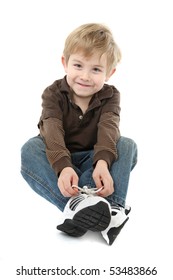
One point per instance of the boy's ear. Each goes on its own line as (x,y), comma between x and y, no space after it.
(110,74)
(64,62)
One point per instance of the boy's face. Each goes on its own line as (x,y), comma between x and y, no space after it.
(86,76)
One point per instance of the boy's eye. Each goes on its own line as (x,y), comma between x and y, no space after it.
(77,65)
(96,69)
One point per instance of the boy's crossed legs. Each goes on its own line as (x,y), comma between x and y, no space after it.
(38,173)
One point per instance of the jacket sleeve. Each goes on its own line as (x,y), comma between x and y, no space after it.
(51,129)
(58,155)
(108,131)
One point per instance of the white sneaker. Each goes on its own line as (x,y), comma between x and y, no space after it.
(86,211)
(118,219)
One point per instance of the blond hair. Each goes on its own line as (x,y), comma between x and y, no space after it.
(90,38)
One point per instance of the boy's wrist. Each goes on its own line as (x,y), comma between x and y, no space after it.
(102,162)
(61,164)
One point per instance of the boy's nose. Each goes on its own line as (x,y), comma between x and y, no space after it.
(85,76)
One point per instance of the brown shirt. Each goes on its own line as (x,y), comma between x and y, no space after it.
(66,129)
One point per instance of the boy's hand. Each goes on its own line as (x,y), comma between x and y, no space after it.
(67,178)
(102,178)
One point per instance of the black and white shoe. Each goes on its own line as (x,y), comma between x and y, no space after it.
(86,211)
(118,220)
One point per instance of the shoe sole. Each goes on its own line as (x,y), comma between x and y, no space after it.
(71,228)
(95,218)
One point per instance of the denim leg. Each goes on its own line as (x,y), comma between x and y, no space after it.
(120,170)
(84,161)
(38,173)
(86,178)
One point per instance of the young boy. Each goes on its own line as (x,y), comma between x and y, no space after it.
(79,142)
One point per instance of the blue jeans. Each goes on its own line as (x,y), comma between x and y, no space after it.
(38,173)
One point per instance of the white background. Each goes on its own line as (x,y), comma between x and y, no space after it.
(32,35)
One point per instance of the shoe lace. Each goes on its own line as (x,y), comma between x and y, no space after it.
(87,190)
(83,193)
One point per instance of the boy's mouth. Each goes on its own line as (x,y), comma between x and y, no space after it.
(83,85)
